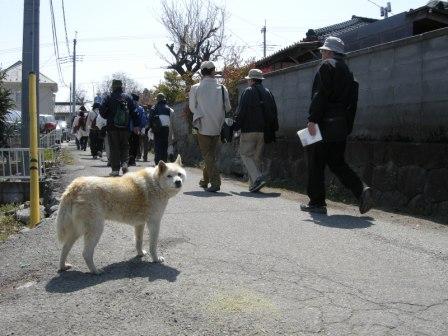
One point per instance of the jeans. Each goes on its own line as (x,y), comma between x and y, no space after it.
(332,154)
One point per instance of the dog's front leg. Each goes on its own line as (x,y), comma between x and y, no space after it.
(154,228)
(139,240)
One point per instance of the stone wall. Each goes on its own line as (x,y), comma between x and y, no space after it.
(399,142)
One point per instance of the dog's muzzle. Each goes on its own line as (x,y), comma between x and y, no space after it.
(178,184)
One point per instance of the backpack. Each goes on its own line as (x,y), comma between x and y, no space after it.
(120,110)
(154,121)
(82,123)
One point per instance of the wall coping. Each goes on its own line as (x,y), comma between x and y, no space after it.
(379,47)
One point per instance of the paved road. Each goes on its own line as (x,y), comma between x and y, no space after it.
(236,264)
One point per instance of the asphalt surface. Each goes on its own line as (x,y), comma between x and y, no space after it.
(235,264)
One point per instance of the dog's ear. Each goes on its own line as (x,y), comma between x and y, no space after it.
(178,160)
(161,167)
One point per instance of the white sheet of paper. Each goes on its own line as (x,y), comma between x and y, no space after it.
(165,120)
(307,139)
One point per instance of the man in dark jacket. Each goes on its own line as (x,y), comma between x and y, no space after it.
(331,109)
(118,109)
(257,120)
(160,120)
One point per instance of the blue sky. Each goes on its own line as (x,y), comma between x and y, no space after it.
(117,35)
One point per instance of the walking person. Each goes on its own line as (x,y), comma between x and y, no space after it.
(80,129)
(160,122)
(146,136)
(257,119)
(134,138)
(209,102)
(118,109)
(333,106)
(94,124)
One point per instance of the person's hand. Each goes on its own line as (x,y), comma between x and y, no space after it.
(312,128)
(136,130)
(236,134)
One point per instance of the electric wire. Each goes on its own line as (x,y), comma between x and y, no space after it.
(65,28)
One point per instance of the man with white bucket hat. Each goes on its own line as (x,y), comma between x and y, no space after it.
(209,101)
(257,120)
(333,107)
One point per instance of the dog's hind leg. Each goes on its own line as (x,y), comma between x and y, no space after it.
(139,240)
(68,244)
(91,239)
(154,228)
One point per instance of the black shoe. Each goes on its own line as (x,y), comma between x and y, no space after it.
(203,184)
(132,163)
(366,201)
(258,184)
(319,209)
(213,189)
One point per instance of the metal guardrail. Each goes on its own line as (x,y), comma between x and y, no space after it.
(51,139)
(14,163)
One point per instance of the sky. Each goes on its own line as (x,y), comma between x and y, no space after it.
(124,36)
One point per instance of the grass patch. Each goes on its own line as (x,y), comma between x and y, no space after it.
(8,224)
(65,157)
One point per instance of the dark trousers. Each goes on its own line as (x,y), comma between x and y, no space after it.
(134,143)
(332,154)
(96,142)
(83,142)
(119,147)
(145,146)
(78,145)
(161,145)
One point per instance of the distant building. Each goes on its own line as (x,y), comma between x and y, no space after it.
(47,89)
(359,33)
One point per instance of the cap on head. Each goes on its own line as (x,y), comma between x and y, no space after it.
(208,65)
(334,44)
(160,96)
(116,83)
(255,74)
(82,108)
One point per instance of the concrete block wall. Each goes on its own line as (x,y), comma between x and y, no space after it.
(399,142)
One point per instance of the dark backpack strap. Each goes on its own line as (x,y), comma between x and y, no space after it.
(223,100)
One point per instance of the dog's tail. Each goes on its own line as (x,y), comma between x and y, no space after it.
(64,219)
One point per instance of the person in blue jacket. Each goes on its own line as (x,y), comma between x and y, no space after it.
(134,138)
(160,120)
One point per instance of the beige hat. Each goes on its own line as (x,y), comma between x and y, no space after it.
(255,74)
(207,65)
(334,44)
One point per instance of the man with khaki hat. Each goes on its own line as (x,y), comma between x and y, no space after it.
(333,107)
(257,119)
(209,102)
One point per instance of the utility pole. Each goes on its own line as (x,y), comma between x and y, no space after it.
(74,78)
(386,10)
(30,62)
(263,31)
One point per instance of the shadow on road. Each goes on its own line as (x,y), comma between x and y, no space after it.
(207,194)
(256,195)
(342,221)
(72,281)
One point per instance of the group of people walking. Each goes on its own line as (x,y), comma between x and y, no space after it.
(332,110)
(123,128)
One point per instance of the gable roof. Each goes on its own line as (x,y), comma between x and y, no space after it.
(339,29)
(14,74)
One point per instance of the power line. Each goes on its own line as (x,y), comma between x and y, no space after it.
(65,28)
(374,3)
(56,44)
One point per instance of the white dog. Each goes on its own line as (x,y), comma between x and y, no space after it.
(135,198)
